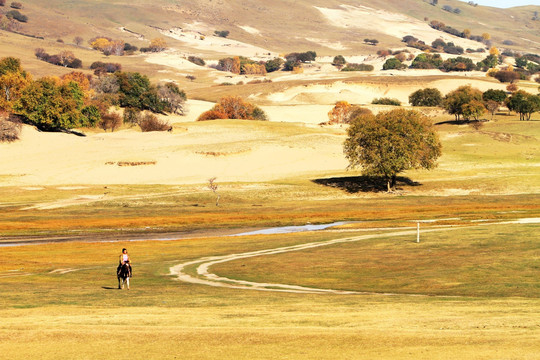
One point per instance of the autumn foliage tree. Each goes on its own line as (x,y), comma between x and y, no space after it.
(52,105)
(391,142)
(464,101)
(13,79)
(339,113)
(524,104)
(233,107)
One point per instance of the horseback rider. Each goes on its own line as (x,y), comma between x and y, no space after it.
(124,259)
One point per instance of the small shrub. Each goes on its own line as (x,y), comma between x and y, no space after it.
(130,48)
(2,2)
(339,60)
(386,101)
(132,116)
(110,121)
(212,115)
(150,122)
(16,5)
(191,77)
(357,67)
(506,76)
(476,125)
(222,33)
(196,60)
(16,15)
(60,41)
(9,130)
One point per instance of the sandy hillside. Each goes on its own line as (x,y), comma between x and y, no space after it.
(192,153)
(393,24)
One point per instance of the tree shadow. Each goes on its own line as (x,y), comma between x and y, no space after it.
(356,184)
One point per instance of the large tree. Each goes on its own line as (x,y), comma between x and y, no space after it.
(51,105)
(426,97)
(457,102)
(524,104)
(391,142)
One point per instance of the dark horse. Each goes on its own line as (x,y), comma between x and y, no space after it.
(123,276)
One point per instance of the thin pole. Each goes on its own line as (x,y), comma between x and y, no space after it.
(418,232)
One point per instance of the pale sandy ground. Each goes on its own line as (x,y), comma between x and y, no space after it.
(188,155)
(393,24)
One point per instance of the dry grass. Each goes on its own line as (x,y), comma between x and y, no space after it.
(80,314)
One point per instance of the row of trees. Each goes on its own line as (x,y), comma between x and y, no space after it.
(468,103)
(65,58)
(79,100)
(118,47)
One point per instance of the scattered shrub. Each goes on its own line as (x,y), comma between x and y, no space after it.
(458,64)
(2,2)
(393,63)
(386,101)
(427,61)
(130,48)
(233,107)
(150,122)
(110,121)
(100,67)
(65,58)
(10,129)
(506,76)
(15,14)
(222,33)
(157,45)
(132,116)
(372,42)
(358,67)
(16,5)
(302,57)
(196,60)
(339,60)
(274,64)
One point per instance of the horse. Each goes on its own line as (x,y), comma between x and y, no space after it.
(123,276)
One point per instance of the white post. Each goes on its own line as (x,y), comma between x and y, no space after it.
(418,232)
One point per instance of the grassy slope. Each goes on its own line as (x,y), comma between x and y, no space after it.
(285,24)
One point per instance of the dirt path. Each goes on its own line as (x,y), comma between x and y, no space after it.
(205,277)
(210,279)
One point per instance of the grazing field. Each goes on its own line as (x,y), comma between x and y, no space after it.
(60,300)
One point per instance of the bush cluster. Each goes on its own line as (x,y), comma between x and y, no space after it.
(357,67)
(16,15)
(233,107)
(65,58)
(386,101)
(196,60)
(100,67)
(150,122)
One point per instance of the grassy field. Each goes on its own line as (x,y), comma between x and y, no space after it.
(59,301)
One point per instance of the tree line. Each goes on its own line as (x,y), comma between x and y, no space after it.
(80,100)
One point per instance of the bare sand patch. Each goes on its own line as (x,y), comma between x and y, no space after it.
(180,158)
(196,40)
(393,24)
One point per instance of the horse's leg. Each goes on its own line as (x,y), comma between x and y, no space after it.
(127,282)
(118,282)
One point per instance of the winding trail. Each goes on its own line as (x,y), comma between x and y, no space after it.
(210,279)
(205,277)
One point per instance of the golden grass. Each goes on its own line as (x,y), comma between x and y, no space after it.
(80,314)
